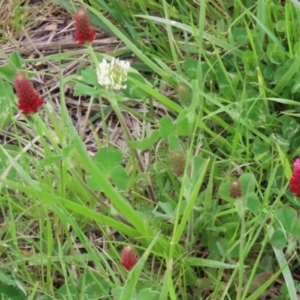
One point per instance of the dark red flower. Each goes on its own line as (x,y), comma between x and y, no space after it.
(83,30)
(235,189)
(29,100)
(295,179)
(128,258)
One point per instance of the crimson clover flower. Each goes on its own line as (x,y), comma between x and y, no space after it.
(28,99)
(128,258)
(83,30)
(295,179)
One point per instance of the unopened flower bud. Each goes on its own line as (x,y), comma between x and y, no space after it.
(235,189)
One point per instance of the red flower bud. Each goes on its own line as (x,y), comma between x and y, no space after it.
(29,100)
(128,258)
(83,30)
(295,179)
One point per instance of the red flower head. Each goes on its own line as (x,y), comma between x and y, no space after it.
(29,100)
(83,30)
(128,258)
(295,179)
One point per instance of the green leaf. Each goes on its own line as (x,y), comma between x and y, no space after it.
(275,54)
(190,67)
(117,293)
(261,151)
(45,297)
(222,246)
(258,280)
(89,75)
(240,35)
(250,62)
(296,48)
(203,262)
(255,112)
(223,191)
(280,141)
(168,209)
(198,165)
(107,159)
(248,183)
(289,127)
(148,294)
(282,71)
(8,292)
(146,143)
(174,143)
(52,159)
(82,89)
(287,217)
(279,179)
(15,60)
(166,127)
(296,229)
(253,203)
(7,72)
(6,102)
(120,178)
(132,90)
(278,239)
(295,142)
(93,183)
(269,72)
(93,285)
(4,161)
(281,26)
(6,279)
(296,86)
(207,72)
(67,292)
(184,122)
(223,83)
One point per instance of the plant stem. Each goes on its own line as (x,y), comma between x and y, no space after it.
(134,151)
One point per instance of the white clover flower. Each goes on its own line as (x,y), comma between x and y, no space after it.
(112,75)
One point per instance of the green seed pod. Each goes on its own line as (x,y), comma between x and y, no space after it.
(177,160)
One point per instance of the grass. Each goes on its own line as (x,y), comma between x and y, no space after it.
(211,108)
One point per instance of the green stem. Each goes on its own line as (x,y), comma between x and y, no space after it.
(128,137)
(241,249)
(134,152)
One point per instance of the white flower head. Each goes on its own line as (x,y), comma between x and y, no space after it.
(112,75)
